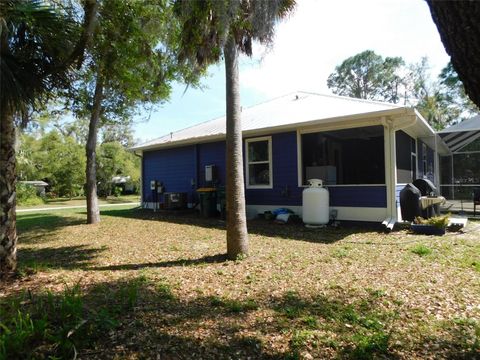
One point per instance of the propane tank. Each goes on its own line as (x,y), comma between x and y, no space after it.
(316,199)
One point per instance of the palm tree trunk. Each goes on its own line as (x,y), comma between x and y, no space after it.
(8,228)
(93,211)
(457,23)
(237,235)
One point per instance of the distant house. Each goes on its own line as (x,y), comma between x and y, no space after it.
(125,182)
(365,151)
(39,185)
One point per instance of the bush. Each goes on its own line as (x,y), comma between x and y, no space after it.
(117,191)
(27,195)
(438,221)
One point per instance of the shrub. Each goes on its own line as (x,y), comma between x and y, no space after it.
(27,195)
(117,191)
(440,222)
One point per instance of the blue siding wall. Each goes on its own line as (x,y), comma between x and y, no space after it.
(358,196)
(178,166)
(174,167)
(398,189)
(211,154)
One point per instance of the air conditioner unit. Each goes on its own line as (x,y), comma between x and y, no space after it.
(175,200)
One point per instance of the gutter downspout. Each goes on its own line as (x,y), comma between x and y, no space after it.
(141,176)
(390,170)
(390,129)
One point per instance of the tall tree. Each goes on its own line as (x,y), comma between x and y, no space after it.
(455,92)
(38,45)
(129,64)
(212,29)
(368,75)
(459,28)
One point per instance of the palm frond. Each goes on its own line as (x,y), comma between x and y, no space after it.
(37,38)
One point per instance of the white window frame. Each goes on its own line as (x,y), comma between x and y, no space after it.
(247,163)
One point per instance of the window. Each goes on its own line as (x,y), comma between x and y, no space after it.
(424,159)
(344,157)
(406,153)
(259,162)
(413,146)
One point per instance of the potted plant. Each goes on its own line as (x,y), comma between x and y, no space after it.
(432,226)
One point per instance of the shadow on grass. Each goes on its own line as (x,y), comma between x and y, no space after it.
(291,231)
(67,257)
(140,318)
(121,201)
(211,259)
(46,223)
(26,222)
(38,228)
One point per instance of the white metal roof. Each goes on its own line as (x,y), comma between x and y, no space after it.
(460,135)
(295,108)
(471,124)
(34,182)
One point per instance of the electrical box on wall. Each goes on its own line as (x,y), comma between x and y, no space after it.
(210,173)
(153,185)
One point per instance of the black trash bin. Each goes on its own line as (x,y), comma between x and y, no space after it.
(410,202)
(208,202)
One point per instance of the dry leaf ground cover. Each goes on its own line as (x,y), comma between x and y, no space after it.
(142,285)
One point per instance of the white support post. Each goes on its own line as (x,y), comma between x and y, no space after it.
(390,172)
(393,176)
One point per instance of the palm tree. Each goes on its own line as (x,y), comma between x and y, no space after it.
(212,29)
(37,51)
(459,28)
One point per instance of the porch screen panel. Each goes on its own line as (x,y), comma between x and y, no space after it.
(406,155)
(446,179)
(344,157)
(460,174)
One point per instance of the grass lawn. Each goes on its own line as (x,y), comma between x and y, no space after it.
(81,201)
(144,285)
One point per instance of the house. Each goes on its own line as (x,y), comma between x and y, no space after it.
(39,186)
(365,151)
(125,183)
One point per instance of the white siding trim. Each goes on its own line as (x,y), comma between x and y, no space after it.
(343,212)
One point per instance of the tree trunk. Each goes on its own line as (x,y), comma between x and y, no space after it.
(8,228)
(93,211)
(459,28)
(237,235)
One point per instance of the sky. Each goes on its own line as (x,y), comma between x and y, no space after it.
(318,36)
